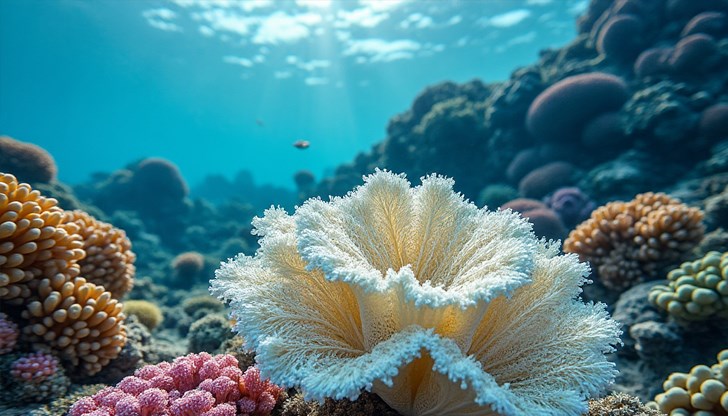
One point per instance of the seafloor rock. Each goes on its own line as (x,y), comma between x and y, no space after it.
(655,345)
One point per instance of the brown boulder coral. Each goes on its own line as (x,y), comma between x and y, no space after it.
(34,241)
(26,161)
(109,261)
(418,296)
(629,241)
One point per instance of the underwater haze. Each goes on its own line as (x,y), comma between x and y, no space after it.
(222,86)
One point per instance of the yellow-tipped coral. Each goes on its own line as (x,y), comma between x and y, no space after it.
(78,319)
(35,242)
(109,260)
(697,290)
(702,392)
(148,313)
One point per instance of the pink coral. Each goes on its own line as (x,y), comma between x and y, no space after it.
(35,367)
(260,395)
(8,334)
(196,384)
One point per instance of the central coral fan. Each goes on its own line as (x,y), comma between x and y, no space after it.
(417,295)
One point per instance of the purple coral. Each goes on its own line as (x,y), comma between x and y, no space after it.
(196,384)
(34,368)
(571,205)
(8,334)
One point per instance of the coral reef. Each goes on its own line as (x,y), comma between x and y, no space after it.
(701,391)
(198,384)
(698,290)
(26,161)
(109,261)
(392,286)
(146,312)
(630,241)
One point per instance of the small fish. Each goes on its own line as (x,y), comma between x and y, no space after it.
(301,144)
(259,122)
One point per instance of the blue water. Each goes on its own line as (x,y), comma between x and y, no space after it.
(222,86)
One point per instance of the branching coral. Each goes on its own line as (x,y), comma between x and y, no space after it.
(434,305)
(196,384)
(628,241)
(109,261)
(697,290)
(701,392)
(80,320)
(34,241)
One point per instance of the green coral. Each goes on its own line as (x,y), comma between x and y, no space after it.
(697,290)
(700,392)
(205,303)
(148,313)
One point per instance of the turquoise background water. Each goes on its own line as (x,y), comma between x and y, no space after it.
(222,86)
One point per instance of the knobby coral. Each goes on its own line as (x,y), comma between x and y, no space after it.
(628,241)
(701,392)
(78,319)
(697,290)
(434,305)
(34,241)
(109,261)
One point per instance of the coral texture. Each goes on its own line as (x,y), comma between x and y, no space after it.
(619,404)
(8,334)
(34,241)
(28,162)
(571,205)
(34,367)
(417,295)
(628,241)
(697,290)
(196,384)
(109,261)
(209,333)
(78,319)
(700,392)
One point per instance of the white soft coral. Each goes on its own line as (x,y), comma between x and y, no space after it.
(418,296)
